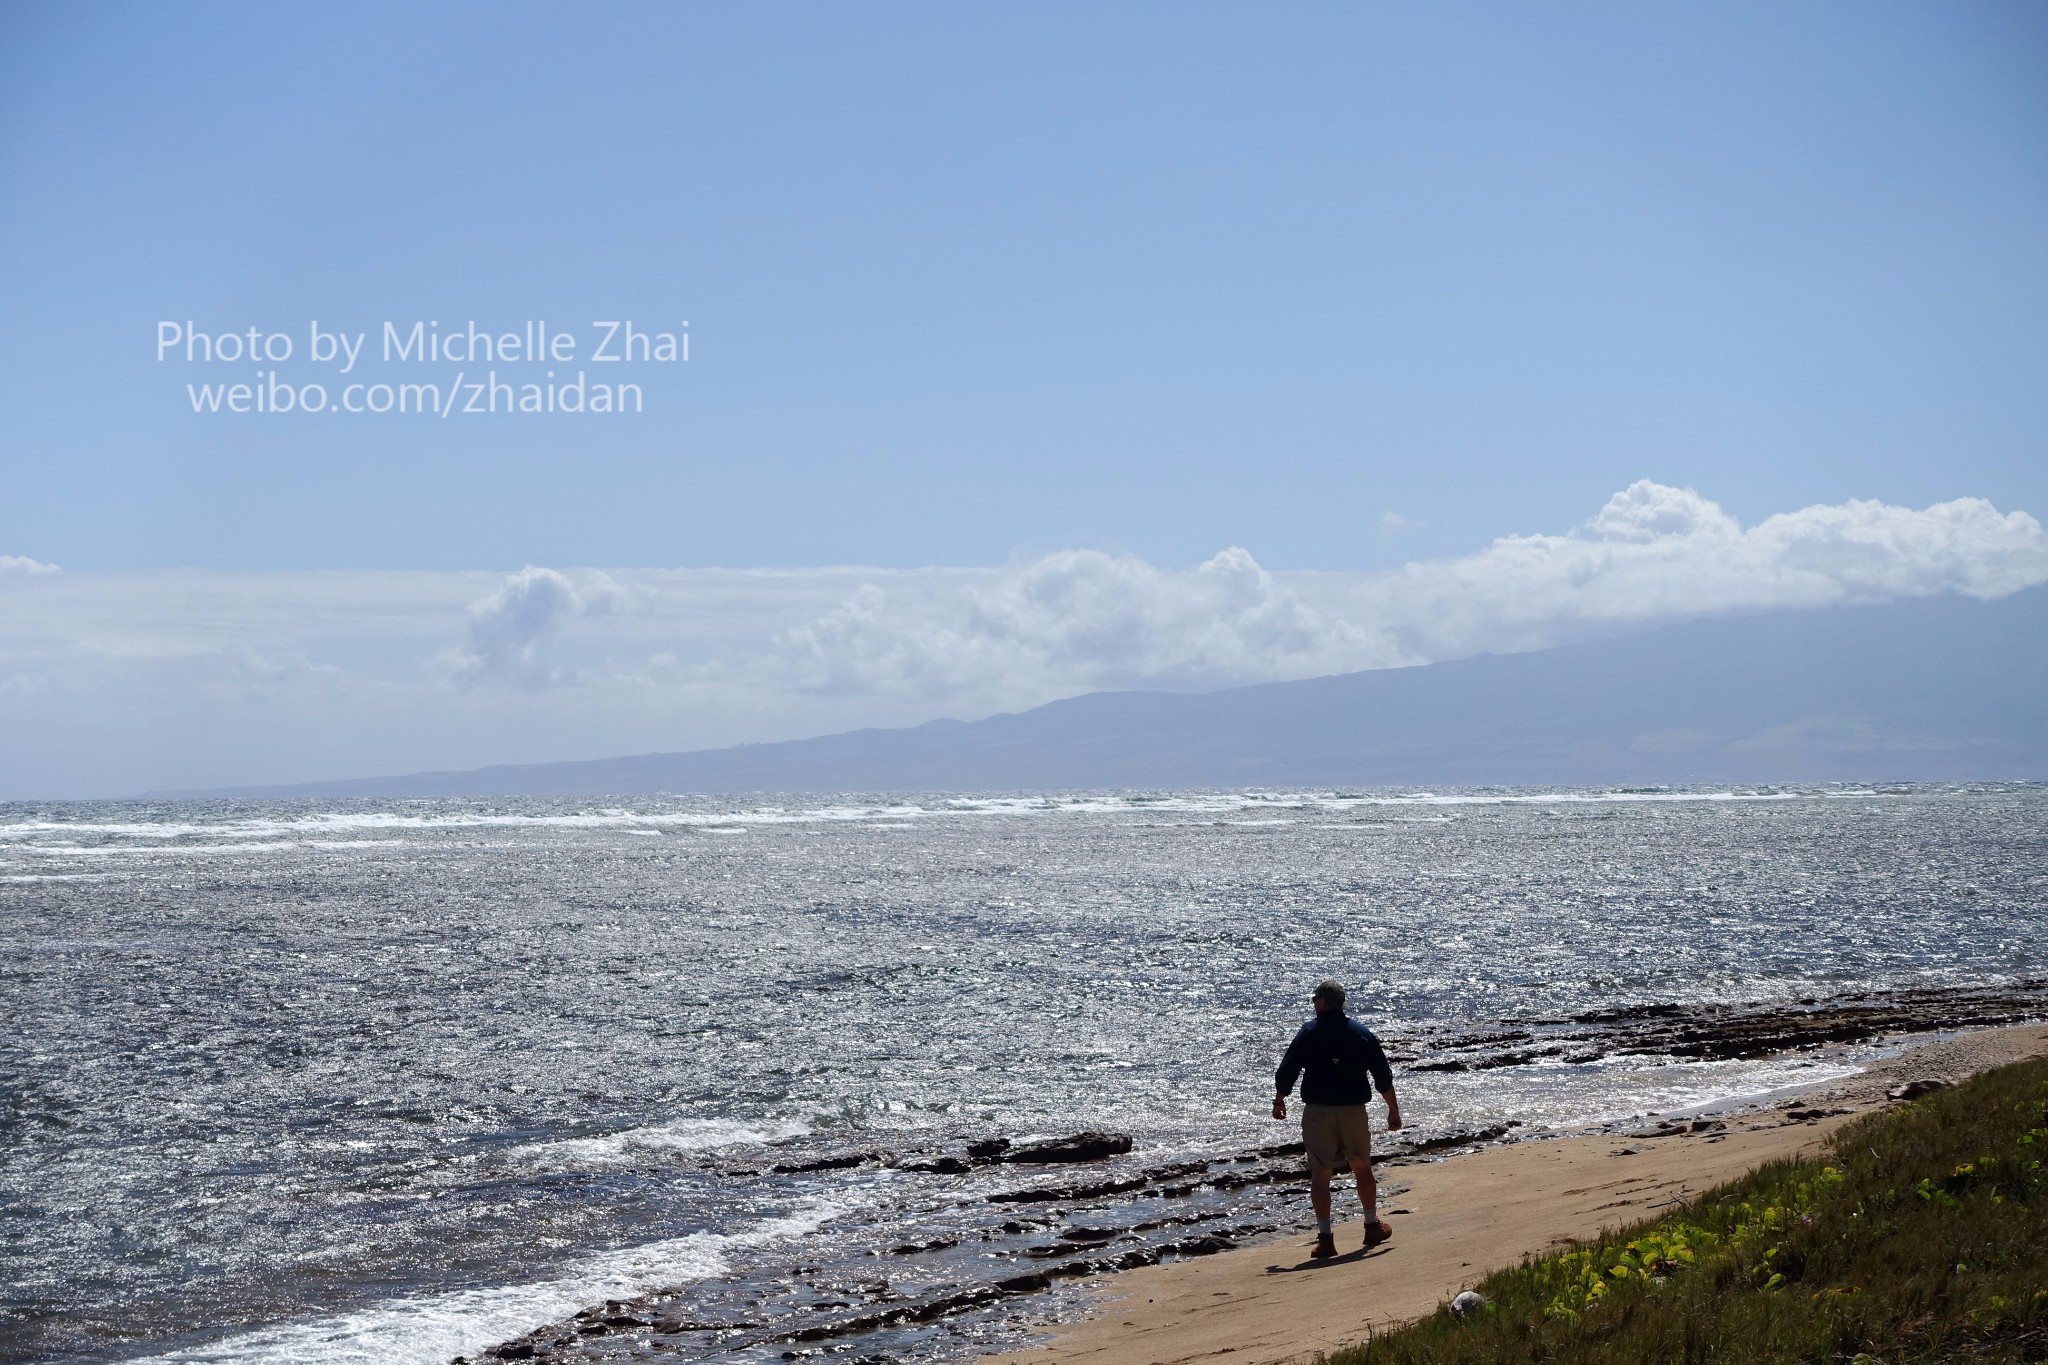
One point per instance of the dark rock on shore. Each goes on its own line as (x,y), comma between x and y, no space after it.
(1080,1147)
(1264,1175)
(1913,1090)
(824,1163)
(1062,1193)
(1633,1014)
(1468,1139)
(1089,1234)
(1811,1115)
(1729,1032)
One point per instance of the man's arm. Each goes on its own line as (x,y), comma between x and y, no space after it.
(1383,1079)
(1284,1078)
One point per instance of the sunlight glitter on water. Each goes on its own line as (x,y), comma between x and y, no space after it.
(279,1066)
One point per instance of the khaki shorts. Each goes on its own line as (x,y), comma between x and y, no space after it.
(1336,1135)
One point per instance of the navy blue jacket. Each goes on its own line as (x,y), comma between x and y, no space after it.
(1342,1058)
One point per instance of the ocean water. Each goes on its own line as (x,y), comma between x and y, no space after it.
(392,1082)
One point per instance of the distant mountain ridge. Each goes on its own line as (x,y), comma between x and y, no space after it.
(1944,689)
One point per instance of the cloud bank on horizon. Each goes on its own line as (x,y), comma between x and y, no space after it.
(1081,619)
(177,678)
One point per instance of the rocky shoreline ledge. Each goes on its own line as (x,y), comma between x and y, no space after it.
(1712,1032)
(1093,1207)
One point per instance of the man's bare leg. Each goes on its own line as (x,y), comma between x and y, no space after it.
(1368,1189)
(1319,1200)
(1319,1194)
(1376,1229)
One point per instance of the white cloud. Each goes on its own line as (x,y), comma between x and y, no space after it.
(22,564)
(1656,553)
(1074,620)
(1080,620)
(509,631)
(1646,512)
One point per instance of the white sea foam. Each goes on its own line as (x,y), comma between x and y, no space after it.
(638,1146)
(431,1329)
(131,850)
(320,825)
(1682,1087)
(1563,1097)
(56,877)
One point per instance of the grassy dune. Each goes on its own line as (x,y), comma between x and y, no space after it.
(1922,1237)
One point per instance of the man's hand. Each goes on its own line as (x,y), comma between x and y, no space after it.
(1279,1106)
(1393,1109)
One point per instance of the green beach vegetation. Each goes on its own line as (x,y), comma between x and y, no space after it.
(1921,1236)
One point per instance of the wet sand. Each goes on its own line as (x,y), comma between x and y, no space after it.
(1458,1218)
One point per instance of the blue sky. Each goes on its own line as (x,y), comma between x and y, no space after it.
(1033,349)
(968,282)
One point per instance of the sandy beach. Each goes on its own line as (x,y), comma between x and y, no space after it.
(1458,1218)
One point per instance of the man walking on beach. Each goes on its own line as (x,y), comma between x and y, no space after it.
(1343,1062)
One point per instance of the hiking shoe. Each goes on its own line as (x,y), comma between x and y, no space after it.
(1375,1233)
(1326,1247)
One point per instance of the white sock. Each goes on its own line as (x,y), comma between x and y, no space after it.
(1323,1226)
(1372,1213)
